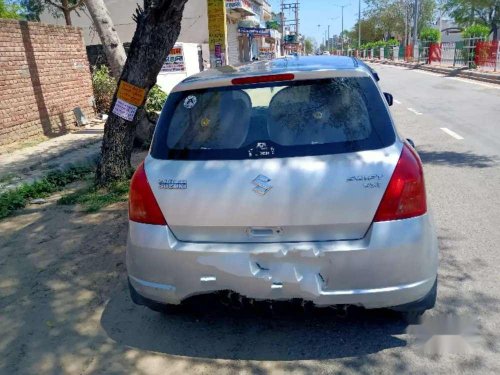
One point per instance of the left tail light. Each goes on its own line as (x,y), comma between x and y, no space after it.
(142,206)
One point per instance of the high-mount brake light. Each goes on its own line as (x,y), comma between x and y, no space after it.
(263,79)
(405,195)
(143,207)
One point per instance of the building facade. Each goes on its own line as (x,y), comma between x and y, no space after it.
(249,36)
(249,32)
(194,27)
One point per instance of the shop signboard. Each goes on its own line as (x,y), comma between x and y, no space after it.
(240,4)
(175,61)
(266,53)
(255,32)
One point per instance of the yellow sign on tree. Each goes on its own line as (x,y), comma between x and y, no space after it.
(131,94)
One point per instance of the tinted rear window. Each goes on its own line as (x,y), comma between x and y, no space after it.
(283,120)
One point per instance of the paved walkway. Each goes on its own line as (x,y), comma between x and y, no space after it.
(31,163)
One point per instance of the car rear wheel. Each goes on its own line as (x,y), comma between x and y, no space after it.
(413,311)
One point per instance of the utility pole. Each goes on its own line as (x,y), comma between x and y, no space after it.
(359,24)
(331,43)
(328,39)
(415,22)
(319,27)
(293,23)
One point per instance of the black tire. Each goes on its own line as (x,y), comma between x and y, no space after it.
(413,311)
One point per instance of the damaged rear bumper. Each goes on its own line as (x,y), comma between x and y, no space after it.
(395,264)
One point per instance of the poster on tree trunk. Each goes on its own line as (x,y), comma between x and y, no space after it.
(124,110)
(130,93)
(174,61)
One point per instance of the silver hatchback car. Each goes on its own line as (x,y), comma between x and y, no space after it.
(282,180)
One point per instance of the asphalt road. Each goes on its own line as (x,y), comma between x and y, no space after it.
(65,308)
(455,124)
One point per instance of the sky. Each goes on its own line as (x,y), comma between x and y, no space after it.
(320,12)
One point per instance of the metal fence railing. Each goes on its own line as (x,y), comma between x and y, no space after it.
(470,53)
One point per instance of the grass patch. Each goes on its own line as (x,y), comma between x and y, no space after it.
(93,199)
(54,181)
(7,178)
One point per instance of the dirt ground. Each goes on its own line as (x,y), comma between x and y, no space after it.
(65,309)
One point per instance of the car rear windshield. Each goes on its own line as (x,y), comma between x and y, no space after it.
(297,118)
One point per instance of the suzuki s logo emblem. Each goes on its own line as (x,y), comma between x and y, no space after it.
(262,185)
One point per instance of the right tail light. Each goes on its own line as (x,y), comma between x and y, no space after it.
(405,195)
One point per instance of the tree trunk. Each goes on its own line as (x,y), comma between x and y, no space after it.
(113,47)
(158,28)
(66,12)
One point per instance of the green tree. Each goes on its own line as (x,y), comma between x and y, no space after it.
(10,9)
(469,12)
(430,34)
(32,9)
(395,17)
(475,31)
(309,46)
(370,31)
(58,8)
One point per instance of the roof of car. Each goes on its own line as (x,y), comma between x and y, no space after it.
(303,65)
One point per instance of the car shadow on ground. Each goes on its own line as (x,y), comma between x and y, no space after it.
(209,329)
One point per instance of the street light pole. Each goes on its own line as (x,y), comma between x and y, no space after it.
(331,44)
(342,32)
(415,22)
(328,42)
(359,24)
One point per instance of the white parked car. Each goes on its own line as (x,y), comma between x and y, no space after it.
(282,180)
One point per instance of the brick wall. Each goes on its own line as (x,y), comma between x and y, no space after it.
(44,76)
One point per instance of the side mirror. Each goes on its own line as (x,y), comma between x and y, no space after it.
(410,141)
(388,98)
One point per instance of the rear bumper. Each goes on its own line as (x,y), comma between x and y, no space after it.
(395,264)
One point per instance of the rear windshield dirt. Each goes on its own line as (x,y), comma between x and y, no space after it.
(270,121)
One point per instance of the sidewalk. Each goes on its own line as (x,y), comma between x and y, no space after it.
(31,163)
(493,77)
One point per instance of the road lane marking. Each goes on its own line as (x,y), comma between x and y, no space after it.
(452,133)
(397,101)
(414,111)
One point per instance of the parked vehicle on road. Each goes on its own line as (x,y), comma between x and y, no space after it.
(282,180)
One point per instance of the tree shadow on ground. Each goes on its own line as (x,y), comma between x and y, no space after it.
(457,159)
